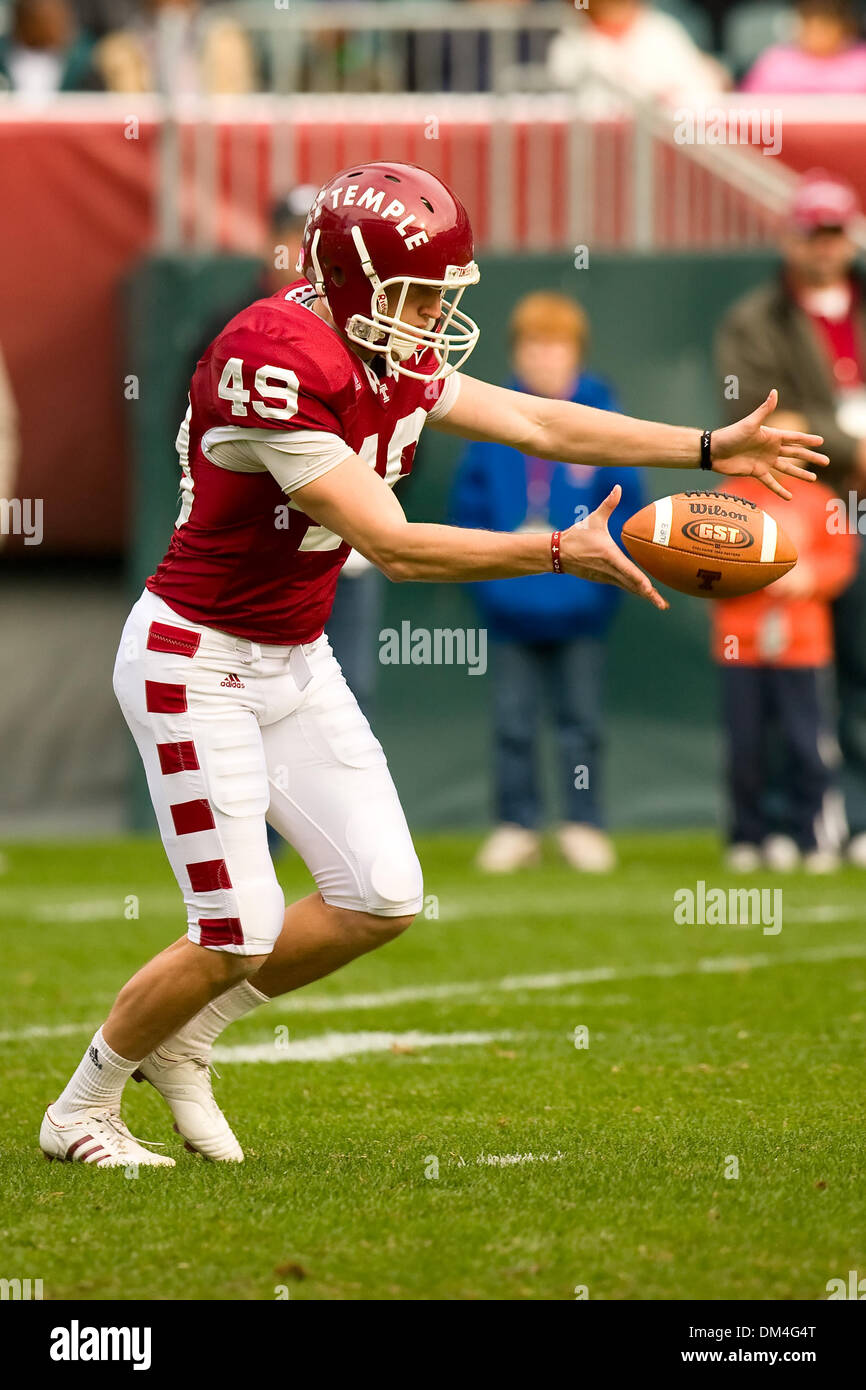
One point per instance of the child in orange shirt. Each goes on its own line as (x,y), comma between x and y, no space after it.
(774,647)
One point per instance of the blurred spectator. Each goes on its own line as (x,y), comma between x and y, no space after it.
(9,442)
(825,56)
(286,233)
(43,53)
(279,253)
(548,631)
(472,60)
(775,648)
(632,45)
(173,48)
(100,17)
(805,333)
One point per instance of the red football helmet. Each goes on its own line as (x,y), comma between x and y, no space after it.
(378,225)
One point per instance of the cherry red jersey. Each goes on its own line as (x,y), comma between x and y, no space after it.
(243,557)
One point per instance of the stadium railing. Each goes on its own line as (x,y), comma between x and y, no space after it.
(399,46)
(547,170)
(535,171)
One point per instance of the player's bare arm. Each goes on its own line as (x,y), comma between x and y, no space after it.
(358,505)
(573,433)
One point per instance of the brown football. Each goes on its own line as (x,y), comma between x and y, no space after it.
(710,544)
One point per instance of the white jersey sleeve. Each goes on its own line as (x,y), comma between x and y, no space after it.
(447,398)
(294,457)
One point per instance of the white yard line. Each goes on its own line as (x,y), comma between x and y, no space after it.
(103,909)
(831,912)
(564,979)
(56,1030)
(511,984)
(510,1160)
(167,904)
(94,910)
(327,1047)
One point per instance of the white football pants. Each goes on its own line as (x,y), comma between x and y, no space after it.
(232,733)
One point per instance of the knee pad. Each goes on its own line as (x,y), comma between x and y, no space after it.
(391,881)
(251,923)
(261,908)
(396,886)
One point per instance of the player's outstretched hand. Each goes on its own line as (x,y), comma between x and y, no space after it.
(751,448)
(588,550)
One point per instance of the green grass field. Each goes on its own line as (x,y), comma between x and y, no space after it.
(705,1044)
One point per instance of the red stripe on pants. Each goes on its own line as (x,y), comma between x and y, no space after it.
(225,933)
(162,637)
(191,816)
(177,757)
(163,698)
(209,875)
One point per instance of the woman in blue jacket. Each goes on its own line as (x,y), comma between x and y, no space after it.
(547,630)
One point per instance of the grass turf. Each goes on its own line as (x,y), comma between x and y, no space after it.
(687,1068)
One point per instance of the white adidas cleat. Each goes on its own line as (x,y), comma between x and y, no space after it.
(184,1084)
(95,1136)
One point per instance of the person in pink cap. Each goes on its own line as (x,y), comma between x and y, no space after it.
(825,56)
(805,331)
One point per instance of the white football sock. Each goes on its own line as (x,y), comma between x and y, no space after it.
(99,1079)
(196,1037)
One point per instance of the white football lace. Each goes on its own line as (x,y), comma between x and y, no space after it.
(207,1066)
(107,1117)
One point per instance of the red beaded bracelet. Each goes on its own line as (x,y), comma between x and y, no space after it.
(554,551)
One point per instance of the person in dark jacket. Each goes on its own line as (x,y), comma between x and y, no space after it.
(805,333)
(548,630)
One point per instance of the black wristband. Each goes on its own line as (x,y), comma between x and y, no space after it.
(706,458)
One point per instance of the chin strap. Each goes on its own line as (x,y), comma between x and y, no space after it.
(364,257)
(319,281)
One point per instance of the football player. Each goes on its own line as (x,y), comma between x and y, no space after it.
(303,414)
